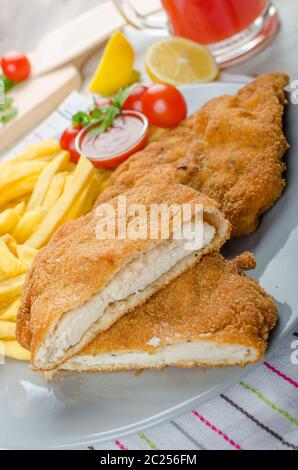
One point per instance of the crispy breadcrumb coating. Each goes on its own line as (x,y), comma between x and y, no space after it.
(216,302)
(230,150)
(76,265)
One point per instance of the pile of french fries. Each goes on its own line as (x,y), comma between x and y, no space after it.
(40,189)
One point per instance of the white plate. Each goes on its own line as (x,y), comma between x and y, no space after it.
(86,409)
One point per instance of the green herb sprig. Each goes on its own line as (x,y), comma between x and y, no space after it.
(103,115)
(7,84)
(7,110)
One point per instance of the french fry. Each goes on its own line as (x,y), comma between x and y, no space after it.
(70,167)
(81,177)
(17,190)
(7,330)
(45,178)
(68,183)
(103,185)
(10,266)
(28,224)
(17,182)
(10,290)
(26,254)
(39,190)
(10,174)
(10,243)
(105,177)
(37,151)
(85,200)
(10,313)
(18,204)
(91,195)
(55,190)
(20,208)
(14,350)
(8,220)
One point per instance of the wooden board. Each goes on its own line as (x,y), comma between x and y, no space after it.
(75,40)
(36,99)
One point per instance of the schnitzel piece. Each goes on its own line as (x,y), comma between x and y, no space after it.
(80,284)
(230,150)
(212,315)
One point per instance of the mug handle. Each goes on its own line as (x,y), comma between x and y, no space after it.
(155,21)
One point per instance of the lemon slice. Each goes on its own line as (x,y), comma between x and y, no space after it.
(116,67)
(178,61)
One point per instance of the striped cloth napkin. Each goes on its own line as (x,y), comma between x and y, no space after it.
(258,413)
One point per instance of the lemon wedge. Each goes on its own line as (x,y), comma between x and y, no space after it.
(178,61)
(115,70)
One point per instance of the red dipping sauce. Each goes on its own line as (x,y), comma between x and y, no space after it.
(107,150)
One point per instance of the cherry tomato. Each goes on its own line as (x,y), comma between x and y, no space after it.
(67,142)
(134,101)
(16,66)
(164,105)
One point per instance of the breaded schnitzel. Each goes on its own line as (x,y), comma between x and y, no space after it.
(81,284)
(230,150)
(223,318)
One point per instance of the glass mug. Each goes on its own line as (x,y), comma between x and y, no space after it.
(230,28)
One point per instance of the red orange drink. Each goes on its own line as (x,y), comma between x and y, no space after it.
(211,21)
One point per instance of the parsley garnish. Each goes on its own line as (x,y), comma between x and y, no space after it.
(7,84)
(103,115)
(81,119)
(7,111)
